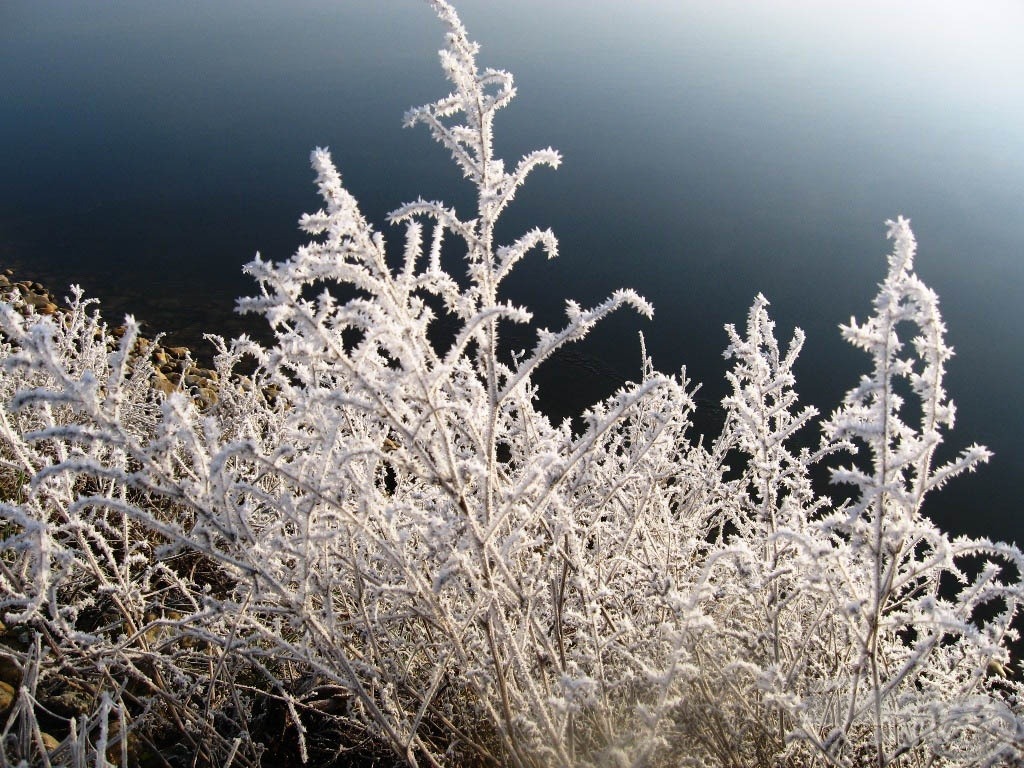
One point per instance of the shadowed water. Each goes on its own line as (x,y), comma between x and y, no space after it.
(712,151)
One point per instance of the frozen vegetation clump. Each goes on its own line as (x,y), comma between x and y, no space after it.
(374,541)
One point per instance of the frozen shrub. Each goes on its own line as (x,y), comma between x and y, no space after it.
(375,535)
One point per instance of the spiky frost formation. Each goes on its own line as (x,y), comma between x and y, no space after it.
(377,535)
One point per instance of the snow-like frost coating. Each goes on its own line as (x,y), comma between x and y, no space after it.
(381,534)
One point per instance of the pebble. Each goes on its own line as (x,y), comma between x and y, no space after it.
(172,365)
(206,396)
(162,383)
(37,299)
(50,743)
(10,671)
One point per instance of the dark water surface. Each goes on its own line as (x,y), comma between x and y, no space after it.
(712,150)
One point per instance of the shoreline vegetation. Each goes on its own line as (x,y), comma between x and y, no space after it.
(57,703)
(171,366)
(175,367)
(357,544)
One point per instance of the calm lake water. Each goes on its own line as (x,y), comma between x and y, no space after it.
(712,150)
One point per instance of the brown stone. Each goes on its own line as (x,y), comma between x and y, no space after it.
(36,300)
(50,743)
(206,374)
(7,696)
(162,383)
(206,396)
(10,671)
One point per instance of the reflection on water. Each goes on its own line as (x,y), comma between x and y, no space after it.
(712,151)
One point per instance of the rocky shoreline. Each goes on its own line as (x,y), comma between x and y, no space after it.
(175,368)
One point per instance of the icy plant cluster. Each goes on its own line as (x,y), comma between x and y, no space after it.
(375,537)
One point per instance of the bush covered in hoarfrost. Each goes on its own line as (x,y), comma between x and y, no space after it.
(397,548)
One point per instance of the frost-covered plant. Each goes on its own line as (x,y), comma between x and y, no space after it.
(97,610)
(759,579)
(487,544)
(925,617)
(375,531)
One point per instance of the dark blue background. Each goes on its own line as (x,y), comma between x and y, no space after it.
(712,151)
